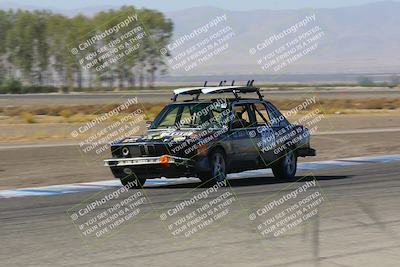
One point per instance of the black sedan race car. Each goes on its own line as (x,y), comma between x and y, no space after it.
(209,138)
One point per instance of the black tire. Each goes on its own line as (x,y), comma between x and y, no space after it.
(132,182)
(218,168)
(286,166)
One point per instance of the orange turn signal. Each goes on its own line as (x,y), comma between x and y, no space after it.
(164,160)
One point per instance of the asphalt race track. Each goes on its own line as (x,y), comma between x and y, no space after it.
(358,224)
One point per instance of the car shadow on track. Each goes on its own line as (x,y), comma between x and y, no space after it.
(254,181)
(272,180)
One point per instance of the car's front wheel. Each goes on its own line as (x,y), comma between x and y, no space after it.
(217,171)
(286,166)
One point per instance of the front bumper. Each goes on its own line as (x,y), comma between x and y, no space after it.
(145,161)
(154,167)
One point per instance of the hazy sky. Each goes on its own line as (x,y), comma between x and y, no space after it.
(170,5)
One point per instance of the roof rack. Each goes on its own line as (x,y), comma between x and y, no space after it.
(221,88)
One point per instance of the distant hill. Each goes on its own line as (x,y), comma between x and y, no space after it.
(357,39)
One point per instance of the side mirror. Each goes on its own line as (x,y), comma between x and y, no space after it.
(148,124)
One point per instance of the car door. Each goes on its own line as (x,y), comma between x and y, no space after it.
(244,150)
(265,133)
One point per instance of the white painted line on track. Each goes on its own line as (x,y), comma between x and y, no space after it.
(113,184)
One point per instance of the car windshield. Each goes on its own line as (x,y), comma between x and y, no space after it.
(192,115)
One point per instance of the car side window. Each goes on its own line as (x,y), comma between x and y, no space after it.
(276,118)
(242,118)
(261,114)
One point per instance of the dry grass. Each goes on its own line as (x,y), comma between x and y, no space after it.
(69,110)
(27,117)
(65,113)
(332,105)
(83,113)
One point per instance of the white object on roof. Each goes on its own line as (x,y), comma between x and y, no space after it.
(188,90)
(213,89)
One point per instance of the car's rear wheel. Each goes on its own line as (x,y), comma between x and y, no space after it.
(217,171)
(132,182)
(286,166)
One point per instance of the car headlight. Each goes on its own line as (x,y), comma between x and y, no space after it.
(125,151)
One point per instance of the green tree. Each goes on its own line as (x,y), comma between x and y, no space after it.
(35,46)
(160,30)
(5,25)
(26,44)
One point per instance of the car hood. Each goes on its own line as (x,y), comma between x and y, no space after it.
(168,135)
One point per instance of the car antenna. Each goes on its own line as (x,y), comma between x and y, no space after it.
(233,82)
(205,84)
(220,83)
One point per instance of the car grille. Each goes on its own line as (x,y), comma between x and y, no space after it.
(154,150)
(134,151)
(143,150)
